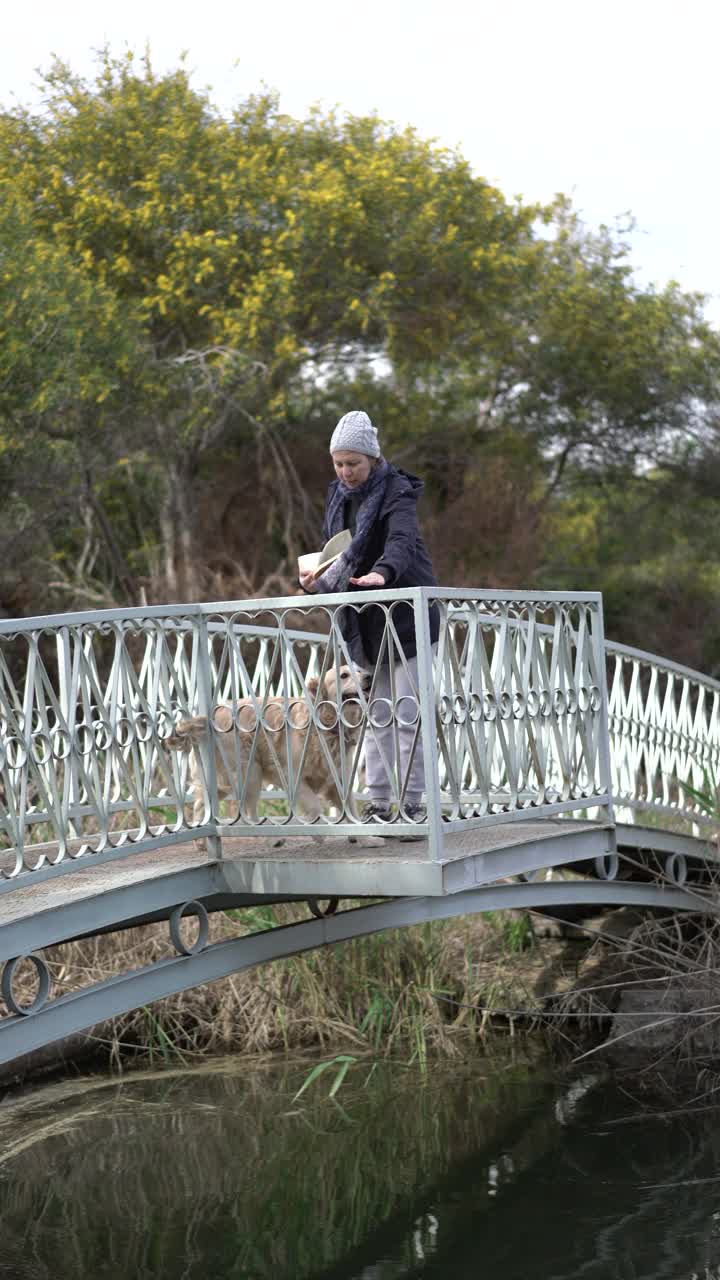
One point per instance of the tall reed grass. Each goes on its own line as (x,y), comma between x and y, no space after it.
(413,993)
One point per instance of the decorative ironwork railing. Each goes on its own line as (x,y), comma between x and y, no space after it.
(664,722)
(130,730)
(127,730)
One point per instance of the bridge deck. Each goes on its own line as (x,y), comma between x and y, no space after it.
(137,885)
(142,886)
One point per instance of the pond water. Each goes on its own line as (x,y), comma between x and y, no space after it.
(492,1171)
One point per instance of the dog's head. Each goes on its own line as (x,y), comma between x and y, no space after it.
(340,684)
(347,682)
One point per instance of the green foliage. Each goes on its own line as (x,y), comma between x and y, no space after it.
(514,929)
(707,797)
(188,302)
(341,1062)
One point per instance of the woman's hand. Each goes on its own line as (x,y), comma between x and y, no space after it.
(368,580)
(307,581)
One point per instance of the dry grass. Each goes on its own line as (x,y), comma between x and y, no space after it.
(652,1000)
(409,993)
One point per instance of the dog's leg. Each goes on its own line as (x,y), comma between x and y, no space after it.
(309,802)
(198,813)
(253,787)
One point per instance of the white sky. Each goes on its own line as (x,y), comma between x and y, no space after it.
(611,101)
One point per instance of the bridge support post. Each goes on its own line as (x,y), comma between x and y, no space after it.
(604,758)
(207,744)
(426,690)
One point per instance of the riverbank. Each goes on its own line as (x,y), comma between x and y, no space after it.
(634,991)
(433,991)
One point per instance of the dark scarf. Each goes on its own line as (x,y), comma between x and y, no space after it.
(371,494)
(337,577)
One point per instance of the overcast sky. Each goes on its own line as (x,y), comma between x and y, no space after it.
(614,102)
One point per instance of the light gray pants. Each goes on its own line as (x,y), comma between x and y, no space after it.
(390,740)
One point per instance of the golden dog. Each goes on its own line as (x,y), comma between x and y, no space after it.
(253,740)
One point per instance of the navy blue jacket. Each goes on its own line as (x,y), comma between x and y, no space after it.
(397,551)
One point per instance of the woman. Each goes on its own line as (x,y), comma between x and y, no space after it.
(377,502)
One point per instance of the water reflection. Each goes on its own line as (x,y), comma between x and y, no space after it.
(495,1171)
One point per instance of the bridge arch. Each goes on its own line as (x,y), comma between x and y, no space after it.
(547,752)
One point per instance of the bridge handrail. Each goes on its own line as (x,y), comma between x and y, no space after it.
(664,724)
(512,713)
(612,647)
(61,620)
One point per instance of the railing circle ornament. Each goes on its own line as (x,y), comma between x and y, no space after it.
(124,731)
(42,993)
(104,736)
(15,753)
(676,868)
(326,716)
(41,748)
(459,709)
(376,706)
(276,724)
(505,705)
(246,719)
(191,908)
(475,707)
(321,913)
(143,726)
(411,718)
(298,715)
(84,741)
(61,743)
(351,713)
(606,866)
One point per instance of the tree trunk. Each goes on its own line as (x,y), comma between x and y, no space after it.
(179,572)
(120,565)
(167,537)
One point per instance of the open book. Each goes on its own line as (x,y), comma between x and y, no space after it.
(316,562)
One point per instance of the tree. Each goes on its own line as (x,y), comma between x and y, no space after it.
(609,373)
(68,358)
(219,290)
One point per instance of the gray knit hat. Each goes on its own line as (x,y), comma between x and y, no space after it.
(356,432)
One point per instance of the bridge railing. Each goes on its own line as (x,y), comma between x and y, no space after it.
(664,722)
(129,730)
(521,710)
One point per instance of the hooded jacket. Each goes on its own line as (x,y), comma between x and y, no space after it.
(397,552)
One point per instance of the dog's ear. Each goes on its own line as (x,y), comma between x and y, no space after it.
(312,684)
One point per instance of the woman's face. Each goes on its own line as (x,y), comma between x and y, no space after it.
(352,468)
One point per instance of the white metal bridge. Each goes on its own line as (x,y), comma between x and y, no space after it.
(559,769)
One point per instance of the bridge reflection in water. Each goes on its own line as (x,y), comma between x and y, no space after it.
(171,761)
(210,1173)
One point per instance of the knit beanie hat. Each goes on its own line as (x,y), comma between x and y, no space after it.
(356,432)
